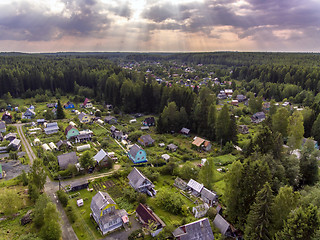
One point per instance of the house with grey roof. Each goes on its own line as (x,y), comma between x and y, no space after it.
(185,131)
(67,159)
(110,120)
(2,127)
(101,156)
(15,144)
(51,128)
(224,227)
(10,137)
(137,154)
(106,213)
(194,231)
(140,183)
(172,147)
(7,117)
(65,143)
(208,197)
(195,187)
(28,114)
(145,140)
(258,117)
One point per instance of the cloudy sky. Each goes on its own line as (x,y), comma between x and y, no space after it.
(159,25)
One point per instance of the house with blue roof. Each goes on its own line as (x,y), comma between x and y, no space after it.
(137,155)
(68,105)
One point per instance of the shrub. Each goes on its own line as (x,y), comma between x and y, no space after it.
(71,214)
(63,197)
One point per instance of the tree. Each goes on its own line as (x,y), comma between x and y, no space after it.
(222,125)
(212,118)
(37,175)
(24,178)
(315,131)
(259,218)
(170,202)
(188,171)
(60,112)
(309,169)
(51,228)
(38,213)
(302,224)
(285,201)
(273,107)
(291,165)
(280,121)
(86,160)
(295,130)
(63,197)
(10,201)
(206,175)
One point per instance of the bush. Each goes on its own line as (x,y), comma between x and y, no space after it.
(71,214)
(63,197)
(136,235)
(142,198)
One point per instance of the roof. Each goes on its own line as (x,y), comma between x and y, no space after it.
(112,128)
(259,115)
(30,111)
(81,115)
(178,182)
(100,155)
(221,224)
(147,139)
(134,150)
(198,141)
(108,118)
(2,124)
(83,136)
(172,146)
(86,101)
(15,142)
(68,158)
(165,156)
(208,194)
(53,124)
(83,147)
(6,114)
(198,230)
(69,128)
(149,120)
(195,185)
(65,142)
(10,135)
(99,201)
(136,178)
(147,214)
(185,131)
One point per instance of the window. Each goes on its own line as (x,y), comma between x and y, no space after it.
(142,158)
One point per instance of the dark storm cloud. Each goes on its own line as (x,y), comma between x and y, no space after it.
(25,21)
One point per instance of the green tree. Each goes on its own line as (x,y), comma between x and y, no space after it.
(301,224)
(315,131)
(188,171)
(206,174)
(63,197)
(86,160)
(170,202)
(295,130)
(222,125)
(38,213)
(273,107)
(24,178)
(285,201)
(309,169)
(60,112)
(10,201)
(280,121)
(37,175)
(212,118)
(51,228)
(259,218)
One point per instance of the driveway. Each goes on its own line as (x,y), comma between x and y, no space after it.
(122,235)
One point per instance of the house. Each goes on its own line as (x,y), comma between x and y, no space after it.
(41,121)
(241,98)
(201,144)
(51,128)
(83,148)
(133,120)
(15,144)
(145,140)
(9,107)
(119,135)
(84,118)
(65,143)
(228,92)
(266,106)
(286,104)
(101,156)
(150,121)
(10,137)
(195,187)
(161,144)
(7,117)
(145,128)
(31,107)
(113,129)
(109,107)
(2,127)
(222,95)
(225,228)
(79,184)
(87,103)
(68,105)
(185,131)
(106,213)
(243,129)
(208,197)
(110,120)
(258,117)
(145,215)
(196,230)
(83,137)
(200,210)
(235,102)
(67,159)
(165,157)
(51,105)
(179,183)
(140,183)
(28,114)
(71,132)
(137,155)
(171,147)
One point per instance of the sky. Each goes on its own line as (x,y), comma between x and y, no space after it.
(159,25)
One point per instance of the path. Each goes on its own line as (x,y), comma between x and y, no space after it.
(50,189)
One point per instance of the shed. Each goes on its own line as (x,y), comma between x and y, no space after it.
(78,185)
(171,147)
(53,146)
(165,156)
(67,159)
(133,121)
(225,228)
(161,144)
(83,148)
(185,131)
(36,142)
(100,156)
(195,186)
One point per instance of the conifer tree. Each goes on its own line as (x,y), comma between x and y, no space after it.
(60,112)
(259,218)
